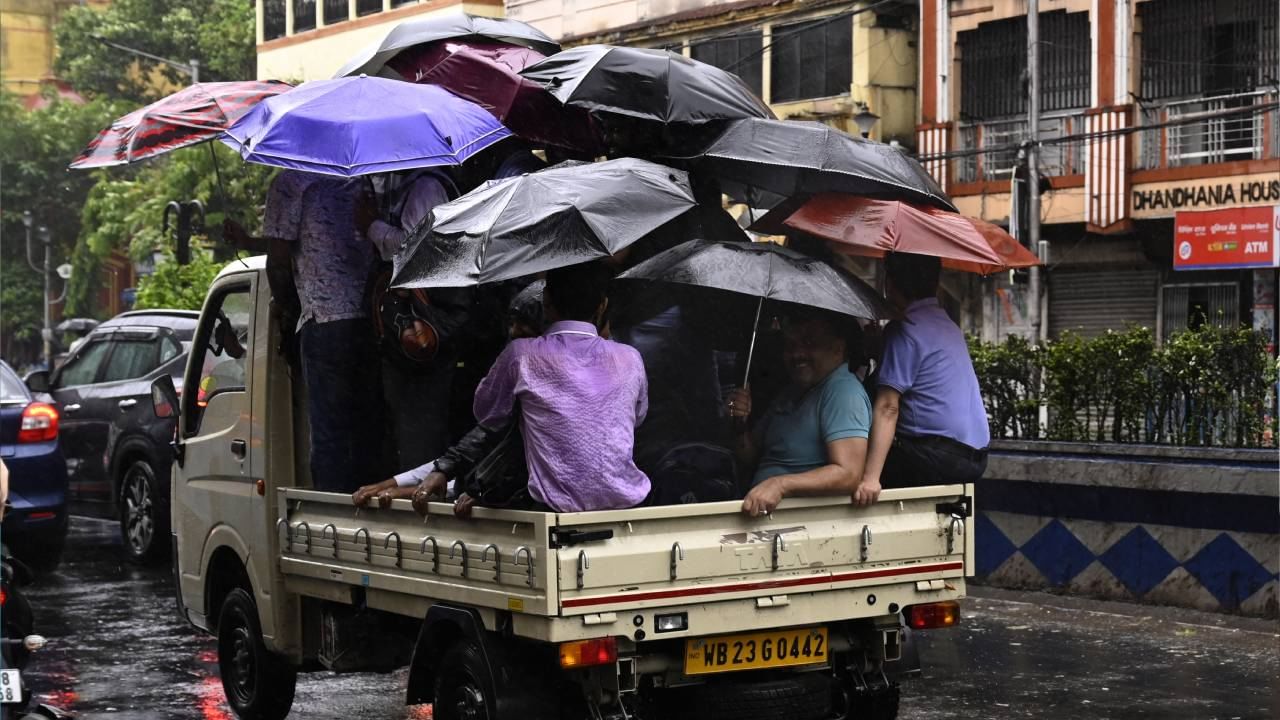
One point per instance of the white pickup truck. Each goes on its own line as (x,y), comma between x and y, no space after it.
(661,613)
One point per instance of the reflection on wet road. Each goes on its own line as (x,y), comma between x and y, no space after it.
(119,650)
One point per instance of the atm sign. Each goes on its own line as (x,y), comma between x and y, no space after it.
(1230,238)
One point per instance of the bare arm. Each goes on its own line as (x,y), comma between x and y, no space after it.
(839,477)
(884,425)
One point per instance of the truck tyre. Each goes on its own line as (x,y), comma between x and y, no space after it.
(258,683)
(795,696)
(878,704)
(464,687)
(144,526)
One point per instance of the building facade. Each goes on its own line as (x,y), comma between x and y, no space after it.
(302,40)
(1152,111)
(809,59)
(27,48)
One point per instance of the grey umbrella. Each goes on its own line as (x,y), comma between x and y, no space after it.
(564,215)
(758,159)
(372,58)
(765,271)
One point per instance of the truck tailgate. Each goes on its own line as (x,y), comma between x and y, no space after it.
(689,554)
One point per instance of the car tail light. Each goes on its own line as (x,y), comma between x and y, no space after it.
(587,653)
(933,615)
(39,423)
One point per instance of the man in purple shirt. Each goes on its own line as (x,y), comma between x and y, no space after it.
(579,397)
(929,425)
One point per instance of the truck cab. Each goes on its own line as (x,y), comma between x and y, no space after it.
(655,612)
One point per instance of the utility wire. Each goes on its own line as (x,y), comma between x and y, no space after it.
(773,40)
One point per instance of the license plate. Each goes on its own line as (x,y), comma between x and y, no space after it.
(10,687)
(779,648)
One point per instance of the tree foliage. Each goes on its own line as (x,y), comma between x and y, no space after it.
(177,287)
(35,147)
(217,33)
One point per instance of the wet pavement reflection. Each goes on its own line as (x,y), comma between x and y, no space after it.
(118,650)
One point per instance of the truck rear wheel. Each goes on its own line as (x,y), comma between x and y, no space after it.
(464,688)
(258,683)
(792,696)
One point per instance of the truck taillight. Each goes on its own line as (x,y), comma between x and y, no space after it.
(588,653)
(39,423)
(933,615)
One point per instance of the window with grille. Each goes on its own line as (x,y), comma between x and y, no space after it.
(1189,307)
(993,66)
(304,15)
(1193,47)
(272,19)
(368,7)
(741,54)
(336,11)
(812,59)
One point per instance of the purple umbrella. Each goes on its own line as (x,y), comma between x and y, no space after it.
(363,125)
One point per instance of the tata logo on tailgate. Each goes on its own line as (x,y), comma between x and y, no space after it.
(1230,238)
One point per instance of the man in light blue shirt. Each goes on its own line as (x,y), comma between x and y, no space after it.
(813,440)
(930,425)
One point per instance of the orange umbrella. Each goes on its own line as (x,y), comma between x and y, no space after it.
(863,226)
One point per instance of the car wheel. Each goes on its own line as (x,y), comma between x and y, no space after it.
(464,689)
(258,683)
(144,526)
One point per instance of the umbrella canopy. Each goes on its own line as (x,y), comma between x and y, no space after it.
(791,158)
(766,271)
(488,74)
(192,115)
(862,226)
(645,84)
(76,325)
(564,215)
(373,58)
(361,125)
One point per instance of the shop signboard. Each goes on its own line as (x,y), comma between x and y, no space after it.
(1247,237)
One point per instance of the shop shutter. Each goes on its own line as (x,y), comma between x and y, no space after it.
(1091,301)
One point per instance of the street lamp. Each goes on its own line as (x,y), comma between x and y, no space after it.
(865,120)
(191,67)
(46,332)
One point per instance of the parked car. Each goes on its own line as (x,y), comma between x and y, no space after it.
(35,523)
(117,452)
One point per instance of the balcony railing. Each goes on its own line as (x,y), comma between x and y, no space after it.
(1203,131)
(1001,140)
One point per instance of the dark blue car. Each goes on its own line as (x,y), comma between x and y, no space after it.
(35,522)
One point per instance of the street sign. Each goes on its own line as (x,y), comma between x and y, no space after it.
(64,271)
(1230,238)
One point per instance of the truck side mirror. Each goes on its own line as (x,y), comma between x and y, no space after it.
(38,381)
(164,397)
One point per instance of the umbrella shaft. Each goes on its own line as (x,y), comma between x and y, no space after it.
(751,349)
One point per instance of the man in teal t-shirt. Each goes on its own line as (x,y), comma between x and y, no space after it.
(813,440)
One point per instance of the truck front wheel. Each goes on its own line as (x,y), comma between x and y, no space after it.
(464,689)
(259,684)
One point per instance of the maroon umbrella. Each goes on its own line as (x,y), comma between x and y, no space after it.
(488,74)
(192,115)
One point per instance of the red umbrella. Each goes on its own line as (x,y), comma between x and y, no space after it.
(488,74)
(192,115)
(871,228)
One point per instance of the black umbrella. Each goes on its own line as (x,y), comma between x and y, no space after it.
(78,325)
(758,158)
(645,84)
(371,60)
(765,271)
(564,215)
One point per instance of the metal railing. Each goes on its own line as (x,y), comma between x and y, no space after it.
(1216,129)
(1003,137)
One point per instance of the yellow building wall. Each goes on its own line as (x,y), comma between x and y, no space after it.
(318,54)
(26,42)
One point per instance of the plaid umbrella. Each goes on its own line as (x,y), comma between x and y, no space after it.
(190,116)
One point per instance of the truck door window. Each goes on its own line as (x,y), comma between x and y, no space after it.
(83,368)
(222,347)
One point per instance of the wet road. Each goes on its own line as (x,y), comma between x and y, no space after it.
(119,651)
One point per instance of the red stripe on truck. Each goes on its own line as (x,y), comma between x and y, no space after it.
(764,585)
